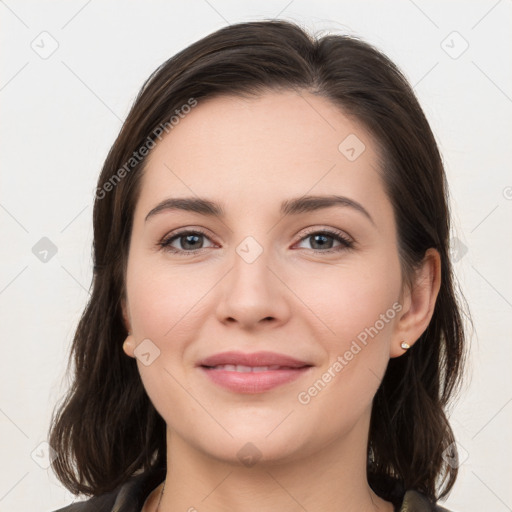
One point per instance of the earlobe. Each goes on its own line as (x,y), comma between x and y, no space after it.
(129,345)
(421,301)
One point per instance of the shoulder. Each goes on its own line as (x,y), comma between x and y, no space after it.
(414,501)
(127,497)
(404,500)
(103,503)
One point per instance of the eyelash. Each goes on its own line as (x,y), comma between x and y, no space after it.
(346,243)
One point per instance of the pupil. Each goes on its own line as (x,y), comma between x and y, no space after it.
(188,243)
(321,239)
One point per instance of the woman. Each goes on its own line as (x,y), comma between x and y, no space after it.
(273,324)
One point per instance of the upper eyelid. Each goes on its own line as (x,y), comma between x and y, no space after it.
(186,231)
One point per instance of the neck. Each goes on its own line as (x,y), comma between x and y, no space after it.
(330,480)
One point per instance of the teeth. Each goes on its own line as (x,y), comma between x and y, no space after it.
(245,369)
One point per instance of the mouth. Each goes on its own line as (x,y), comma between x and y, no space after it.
(252,373)
(247,369)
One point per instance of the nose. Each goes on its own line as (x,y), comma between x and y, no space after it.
(252,295)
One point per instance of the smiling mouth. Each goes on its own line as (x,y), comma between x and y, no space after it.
(251,369)
(252,379)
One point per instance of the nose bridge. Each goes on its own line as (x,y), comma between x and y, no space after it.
(250,276)
(251,292)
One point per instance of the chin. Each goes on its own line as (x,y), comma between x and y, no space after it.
(254,445)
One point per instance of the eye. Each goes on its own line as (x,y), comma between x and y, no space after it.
(186,241)
(325,240)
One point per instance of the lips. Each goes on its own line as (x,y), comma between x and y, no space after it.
(254,360)
(245,369)
(252,373)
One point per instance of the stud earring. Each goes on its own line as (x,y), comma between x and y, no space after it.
(405,345)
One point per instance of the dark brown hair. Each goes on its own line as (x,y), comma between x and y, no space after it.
(106,429)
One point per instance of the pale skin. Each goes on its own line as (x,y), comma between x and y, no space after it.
(249,155)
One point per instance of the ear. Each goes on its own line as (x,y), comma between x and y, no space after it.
(129,342)
(126,316)
(129,345)
(419,300)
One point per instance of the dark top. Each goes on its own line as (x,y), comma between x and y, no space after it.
(130,497)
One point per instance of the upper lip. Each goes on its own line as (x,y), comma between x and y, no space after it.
(254,359)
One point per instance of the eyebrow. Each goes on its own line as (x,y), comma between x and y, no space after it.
(288,207)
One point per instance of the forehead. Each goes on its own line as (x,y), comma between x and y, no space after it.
(250,151)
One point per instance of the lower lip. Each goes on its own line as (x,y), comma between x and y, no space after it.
(253,382)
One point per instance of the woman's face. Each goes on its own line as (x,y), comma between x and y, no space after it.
(270,271)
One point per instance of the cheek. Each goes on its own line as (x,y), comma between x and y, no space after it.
(350,299)
(358,304)
(360,310)
(164,304)
(162,297)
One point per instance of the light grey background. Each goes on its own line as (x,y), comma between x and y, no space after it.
(61,112)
